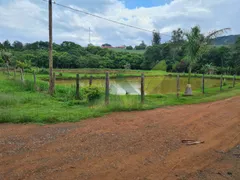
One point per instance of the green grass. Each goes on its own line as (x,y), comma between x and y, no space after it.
(130,51)
(21,103)
(70,74)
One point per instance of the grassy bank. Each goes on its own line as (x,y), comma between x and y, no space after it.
(21,103)
(70,74)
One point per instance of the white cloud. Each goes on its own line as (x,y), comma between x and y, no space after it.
(27,20)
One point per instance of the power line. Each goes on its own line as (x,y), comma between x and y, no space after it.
(106,19)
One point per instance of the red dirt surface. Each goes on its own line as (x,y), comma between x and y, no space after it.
(129,145)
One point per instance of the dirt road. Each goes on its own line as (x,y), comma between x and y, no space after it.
(130,145)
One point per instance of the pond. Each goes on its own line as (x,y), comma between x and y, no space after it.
(153,85)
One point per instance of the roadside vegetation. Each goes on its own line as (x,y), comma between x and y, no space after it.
(23,103)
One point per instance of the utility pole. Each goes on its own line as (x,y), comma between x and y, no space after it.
(51,81)
(89,36)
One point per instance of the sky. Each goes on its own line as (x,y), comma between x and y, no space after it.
(27,20)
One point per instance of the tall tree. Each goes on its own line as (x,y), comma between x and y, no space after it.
(1,46)
(6,44)
(236,56)
(177,41)
(177,36)
(141,46)
(156,38)
(17,45)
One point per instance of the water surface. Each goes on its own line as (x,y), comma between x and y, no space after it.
(153,85)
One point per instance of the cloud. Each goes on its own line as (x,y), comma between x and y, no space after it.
(27,20)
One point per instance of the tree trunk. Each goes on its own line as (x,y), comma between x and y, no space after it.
(189,74)
(188,90)
(21,75)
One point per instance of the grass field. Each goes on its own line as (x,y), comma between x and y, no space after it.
(117,73)
(130,51)
(21,103)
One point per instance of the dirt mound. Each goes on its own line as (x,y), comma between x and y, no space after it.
(130,145)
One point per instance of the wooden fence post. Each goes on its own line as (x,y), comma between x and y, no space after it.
(221,82)
(107,89)
(77,87)
(142,88)
(234,79)
(203,84)
(21,75)
(90,80)
(34,80)
(178,85)
(8,72)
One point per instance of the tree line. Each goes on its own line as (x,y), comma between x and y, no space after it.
(173,56)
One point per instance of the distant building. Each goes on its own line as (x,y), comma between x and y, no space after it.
(121,47)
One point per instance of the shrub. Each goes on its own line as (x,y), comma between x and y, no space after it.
(92,93)
(28,70)
(43,71)
(161,66)
(129,48)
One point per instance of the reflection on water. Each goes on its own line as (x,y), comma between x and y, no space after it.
(153,85)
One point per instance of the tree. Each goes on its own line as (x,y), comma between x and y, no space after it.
(156,38)
(208,68)
(6,57)
(177,36)
(6,44)
(196,44)
(23,65)
(141,46)
(152,55)
(129,48)
(177,44)
(236,57)
(1,61)
(17,45)
(1,46)
(160,66)
(106,45)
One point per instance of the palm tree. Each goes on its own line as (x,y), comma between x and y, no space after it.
(196,44)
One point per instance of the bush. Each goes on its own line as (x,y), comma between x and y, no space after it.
(28,70)
(129,48)
(43,71)
(92,93)
(161,66)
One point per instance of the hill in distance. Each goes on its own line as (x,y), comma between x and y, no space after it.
(225,40)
